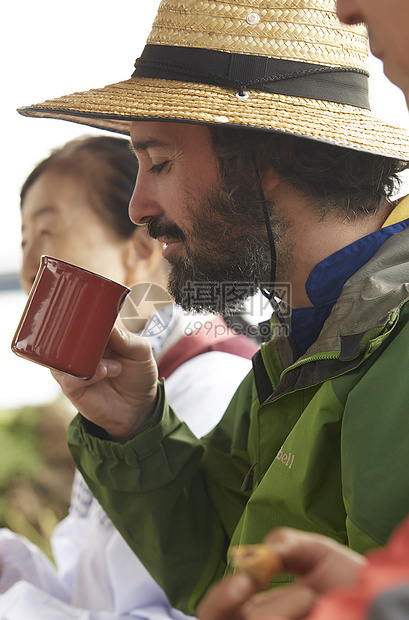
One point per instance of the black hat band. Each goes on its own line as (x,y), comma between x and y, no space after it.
(347,85)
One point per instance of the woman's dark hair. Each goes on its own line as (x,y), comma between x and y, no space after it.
(339,180)
(108,169)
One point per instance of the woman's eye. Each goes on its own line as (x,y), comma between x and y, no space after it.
(157,168)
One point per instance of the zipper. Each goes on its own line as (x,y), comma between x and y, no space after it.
(330,355)
(247,484)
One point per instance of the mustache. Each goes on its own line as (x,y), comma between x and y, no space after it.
(162,228)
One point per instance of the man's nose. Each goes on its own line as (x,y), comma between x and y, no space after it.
(348,12)
(143,206)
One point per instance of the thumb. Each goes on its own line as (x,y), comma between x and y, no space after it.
(128,344)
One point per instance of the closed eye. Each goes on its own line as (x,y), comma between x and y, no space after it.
(157,168)
(45,232)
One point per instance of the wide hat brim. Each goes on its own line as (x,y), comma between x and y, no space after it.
(115,106)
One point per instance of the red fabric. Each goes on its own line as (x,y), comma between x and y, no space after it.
(213,336)
(388,568)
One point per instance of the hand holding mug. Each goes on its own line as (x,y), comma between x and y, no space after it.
(122,394)
(66,326)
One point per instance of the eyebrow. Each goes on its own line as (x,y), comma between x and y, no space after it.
(149,143)
(43,210)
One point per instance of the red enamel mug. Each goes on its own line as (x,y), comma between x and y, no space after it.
(68,318)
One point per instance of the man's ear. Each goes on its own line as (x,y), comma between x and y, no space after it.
(142,257)
(270,179)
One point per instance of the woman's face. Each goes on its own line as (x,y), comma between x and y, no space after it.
(388,29)
(58,220)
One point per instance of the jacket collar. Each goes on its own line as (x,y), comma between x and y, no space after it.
(326,280)
(369,302)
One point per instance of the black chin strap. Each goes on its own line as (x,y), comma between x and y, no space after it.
(270,294)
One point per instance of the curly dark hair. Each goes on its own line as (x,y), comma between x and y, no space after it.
(348,182)
(108,168)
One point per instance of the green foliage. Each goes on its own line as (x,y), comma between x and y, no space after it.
(36,471)
(19,445)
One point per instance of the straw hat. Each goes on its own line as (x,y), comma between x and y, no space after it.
(281,65)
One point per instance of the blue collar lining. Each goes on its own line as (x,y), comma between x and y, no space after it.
(325,282)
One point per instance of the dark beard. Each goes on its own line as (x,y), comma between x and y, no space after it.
(231,257)
(200,282)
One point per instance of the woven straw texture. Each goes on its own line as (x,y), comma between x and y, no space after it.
(330,122)
(287,29)
(299,30)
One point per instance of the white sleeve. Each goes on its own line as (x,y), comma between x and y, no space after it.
(22,560)
(100,568)
(200,389)
(26,602)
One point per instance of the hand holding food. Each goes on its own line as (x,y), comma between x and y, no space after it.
(319,564)
(259,561)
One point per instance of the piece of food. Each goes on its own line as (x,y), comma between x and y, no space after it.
(258,561)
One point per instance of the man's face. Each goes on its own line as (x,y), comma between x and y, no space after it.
(209,237)
(388,28)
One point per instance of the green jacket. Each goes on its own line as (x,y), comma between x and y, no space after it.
(328,445)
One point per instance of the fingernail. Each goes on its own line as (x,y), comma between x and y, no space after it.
(114,367)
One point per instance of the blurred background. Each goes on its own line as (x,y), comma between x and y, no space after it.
(47,50)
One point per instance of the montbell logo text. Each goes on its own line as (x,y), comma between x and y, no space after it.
(286,458)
